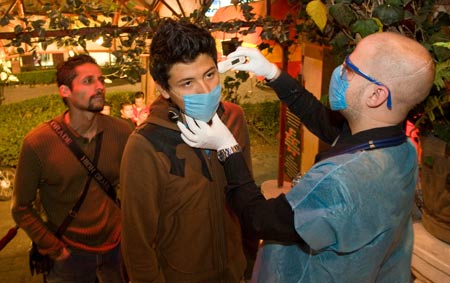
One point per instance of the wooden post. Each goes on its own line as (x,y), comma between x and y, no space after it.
(317,68)
(283,109)
(147,82)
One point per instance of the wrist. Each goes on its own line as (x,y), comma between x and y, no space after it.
(64,253)
(273,73)
(224,153)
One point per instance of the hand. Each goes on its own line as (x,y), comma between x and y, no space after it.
(65,253)
(256,63)
(200,134)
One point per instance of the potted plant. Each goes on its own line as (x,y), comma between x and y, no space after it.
(6,78)
(344,23)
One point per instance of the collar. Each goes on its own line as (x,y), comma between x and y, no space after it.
(76,135)
(365,140)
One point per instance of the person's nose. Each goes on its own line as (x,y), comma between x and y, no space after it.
(100,85)
(204,88)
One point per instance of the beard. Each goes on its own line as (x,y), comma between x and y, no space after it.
(96,103)
(354,100)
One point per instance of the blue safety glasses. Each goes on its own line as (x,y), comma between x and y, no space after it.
(352,67)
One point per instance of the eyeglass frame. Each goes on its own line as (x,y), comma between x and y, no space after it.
(355,69)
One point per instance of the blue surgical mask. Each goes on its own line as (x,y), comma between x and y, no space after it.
(202,106)
(337,90)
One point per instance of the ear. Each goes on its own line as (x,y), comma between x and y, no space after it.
(162,91)
(64,91)
(378,96)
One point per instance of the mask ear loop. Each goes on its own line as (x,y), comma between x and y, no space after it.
(173,114)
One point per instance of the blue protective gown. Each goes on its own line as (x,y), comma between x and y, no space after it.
(376,198)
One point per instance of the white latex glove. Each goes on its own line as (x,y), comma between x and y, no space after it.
(256,62)
(199,134)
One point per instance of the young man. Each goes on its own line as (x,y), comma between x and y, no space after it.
(90,246)
(349,217)
(176,226)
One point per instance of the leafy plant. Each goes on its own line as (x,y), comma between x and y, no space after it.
(6,78)
(18,118)
(48,76)
(433,115)
(262,119)
(127,37)
(37,77)
(231,86)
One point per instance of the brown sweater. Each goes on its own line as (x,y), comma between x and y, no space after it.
(48,169)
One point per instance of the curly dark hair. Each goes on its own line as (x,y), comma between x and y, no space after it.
(65,71)
(177,42)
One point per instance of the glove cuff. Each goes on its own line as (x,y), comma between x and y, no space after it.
(272,73)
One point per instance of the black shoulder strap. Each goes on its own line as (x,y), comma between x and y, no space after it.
(73,212)
(84,160)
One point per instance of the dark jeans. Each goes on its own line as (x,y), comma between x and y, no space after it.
(82,267)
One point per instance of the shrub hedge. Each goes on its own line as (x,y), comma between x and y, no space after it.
(37,77)
(17,119)
(48,76)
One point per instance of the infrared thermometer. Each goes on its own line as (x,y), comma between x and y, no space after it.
(230,63)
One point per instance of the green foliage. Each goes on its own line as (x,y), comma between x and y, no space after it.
(74,25)
(48,76)
(231,86)
(17,119)
(129,40)
(433,116)
(442,73)
(350,20)
(37,77)
(263,117)
(343,14)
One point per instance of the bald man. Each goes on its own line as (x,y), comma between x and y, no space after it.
(349,217)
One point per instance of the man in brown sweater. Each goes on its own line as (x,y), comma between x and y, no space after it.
(47,169)
(176,225)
